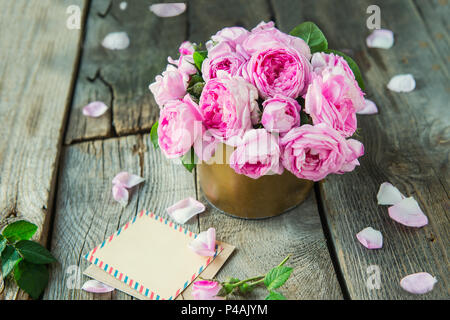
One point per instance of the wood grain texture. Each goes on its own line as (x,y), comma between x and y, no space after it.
(229,13)
(121,77)
(263,244)
(407,143)
(86,213)
(37,70)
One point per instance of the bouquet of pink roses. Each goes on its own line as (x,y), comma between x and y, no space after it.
(282,101)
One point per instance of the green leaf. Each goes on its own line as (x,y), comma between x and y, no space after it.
(30,277)
(312,35)
(188,160)
(273,295)
(196,89)
(154,135)
(34,252)
(2,243)
(276,277)
(10,257)
(199,56)
(196,78)
(19,230)
(353,65)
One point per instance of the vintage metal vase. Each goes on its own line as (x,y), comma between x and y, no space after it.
(244,197)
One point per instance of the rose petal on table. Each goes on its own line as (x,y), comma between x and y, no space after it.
(408,213)
(369,108)
(95,109)
(95,286)
(116,41)
(120,194)
(185,209)
(388,194)
(402,83)
(370,238)
(123,5)
(127,180)
(205,243)
(166,10)
(418,283)
(381,38)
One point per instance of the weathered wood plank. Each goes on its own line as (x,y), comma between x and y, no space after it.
(39,57)
(86,213)
(261,245)
(121,77)
(406,144)
(229,13)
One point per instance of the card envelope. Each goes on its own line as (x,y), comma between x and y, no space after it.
(150,254)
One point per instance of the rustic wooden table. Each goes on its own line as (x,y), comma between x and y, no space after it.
(56,165)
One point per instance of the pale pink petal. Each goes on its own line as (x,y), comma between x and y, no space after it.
(211,239)
(120,194)
(402,83)
(127,180)
(205,243)
(95,286)
(408,212)
(95,109)
(370,238)
(185,209)
(166,10)
(116,41)
(382,38)
(369,108)
(388,194)
(418,283)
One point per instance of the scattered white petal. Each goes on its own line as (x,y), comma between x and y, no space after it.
(96,287)
(120,194)
(369,108)
(166,10)
(123,5)
(402,83)
(205,243)
(370,238)
(95,109)
(388,194)
(116,41)
(185,209)
(418,283)
(382,38)
(408,213)
(127,180)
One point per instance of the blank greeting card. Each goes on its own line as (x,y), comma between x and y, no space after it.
(150,255)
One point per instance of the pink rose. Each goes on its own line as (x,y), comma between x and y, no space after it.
(327,101)
(280,114)
(233,36)
(179,126)
(336,65)
(278,70)
(227,105)
(185,62)
(221,57)
(171,85)
(257,154)
(265,36)
(313,152)
(206,290)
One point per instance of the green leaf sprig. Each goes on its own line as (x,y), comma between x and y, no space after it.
(24,258)
(272,280)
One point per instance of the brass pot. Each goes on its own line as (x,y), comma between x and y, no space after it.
(244,197)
